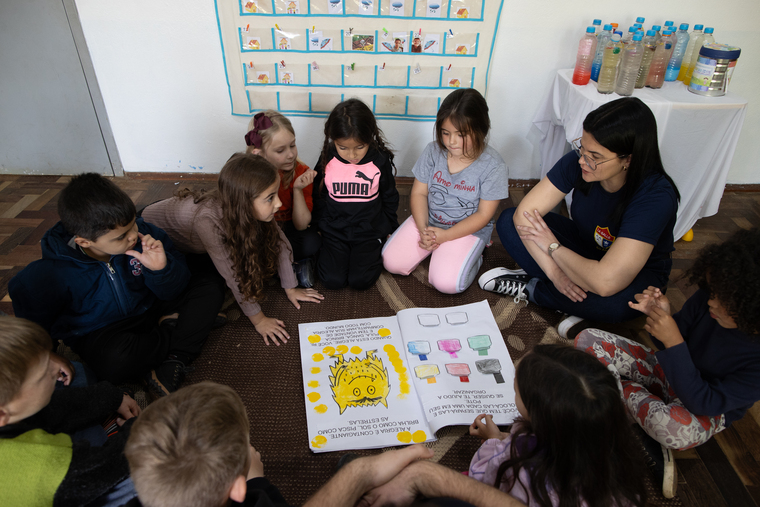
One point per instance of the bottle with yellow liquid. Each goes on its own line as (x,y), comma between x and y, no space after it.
(610,60)
(705,38)
(689,52)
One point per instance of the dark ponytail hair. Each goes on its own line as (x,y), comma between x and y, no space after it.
(627,127)
(352,119)
(584,448)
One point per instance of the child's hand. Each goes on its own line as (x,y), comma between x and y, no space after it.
(295,295)
(127,410)
(257,467)
(663,327)
(65,368)
(153,255)
(270,328)
(304,180)
(487,430)
(439,235)
(427,241)
(651,298)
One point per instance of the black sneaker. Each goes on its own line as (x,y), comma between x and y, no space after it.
(510,282)
(304,272)
(660,462)
(167,378)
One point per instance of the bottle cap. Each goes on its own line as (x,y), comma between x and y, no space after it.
(614,25)
(709,29)
(637,37)
(720,51)
(640,20)
(656,28)
(618,32)
(590,29)
(597,22)
(608,27)
(615,37)
(668,23)
(698,27)
(638,25)
(684,26)
(632,29)
(651,33)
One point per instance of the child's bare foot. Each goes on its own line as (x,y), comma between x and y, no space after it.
(173,316)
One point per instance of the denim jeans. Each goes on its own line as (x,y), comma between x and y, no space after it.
(602,309)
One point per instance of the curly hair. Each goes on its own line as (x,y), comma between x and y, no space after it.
(253,245)
(730,272)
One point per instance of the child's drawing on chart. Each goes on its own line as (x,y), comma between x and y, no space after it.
(480,344)
(490,367)
(434,8)
(314,39)
(432,43)
(250,6)
(335,6)
(461,370)
(293,7)
(450,346)
(463,13)
(326,44)
(454,82)
(283,43)
(363,42)
(286,77)
(461,49)
(397,8)
(419,348)
(262,77)
(253,42)
(365,7)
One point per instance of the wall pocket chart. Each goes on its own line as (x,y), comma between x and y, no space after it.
(388,381)
(401,57)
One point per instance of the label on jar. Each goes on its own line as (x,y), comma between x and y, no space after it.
(703,73)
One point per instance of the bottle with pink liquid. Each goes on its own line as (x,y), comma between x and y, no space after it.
(586,52)
(660,61)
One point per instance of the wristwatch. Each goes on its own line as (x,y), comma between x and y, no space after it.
(553,247)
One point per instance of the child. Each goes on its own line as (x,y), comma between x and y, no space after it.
(235,226)
(174,462)
(271,135)
(571,444)
(458,183)
(706,373)
(355,197)
(114,289)
(44,463)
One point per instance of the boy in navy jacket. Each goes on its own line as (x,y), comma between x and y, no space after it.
(114,289)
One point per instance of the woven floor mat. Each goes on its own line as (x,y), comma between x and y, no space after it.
(270,383)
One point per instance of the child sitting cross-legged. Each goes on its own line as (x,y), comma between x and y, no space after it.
(115,290)
(45,433)
(706,372)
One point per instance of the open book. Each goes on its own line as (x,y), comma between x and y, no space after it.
(388,381)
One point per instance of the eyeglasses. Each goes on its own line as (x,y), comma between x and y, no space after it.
(592,164)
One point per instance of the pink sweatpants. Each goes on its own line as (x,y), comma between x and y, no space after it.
(453,266)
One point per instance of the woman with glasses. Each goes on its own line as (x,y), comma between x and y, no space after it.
(620,237)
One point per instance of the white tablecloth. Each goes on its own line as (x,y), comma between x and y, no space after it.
(697,136)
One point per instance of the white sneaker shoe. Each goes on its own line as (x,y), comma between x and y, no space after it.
(510,282)
(564,326)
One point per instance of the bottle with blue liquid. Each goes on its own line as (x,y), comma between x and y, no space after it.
(682,41)
(602,39)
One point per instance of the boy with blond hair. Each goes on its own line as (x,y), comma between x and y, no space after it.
(42,462)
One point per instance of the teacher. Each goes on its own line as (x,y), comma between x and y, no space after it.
(620,237)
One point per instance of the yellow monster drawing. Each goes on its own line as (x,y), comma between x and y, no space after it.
(359,382)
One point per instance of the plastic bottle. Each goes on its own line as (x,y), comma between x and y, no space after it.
(689,51)
(628,37)
(629,66)
(610,61)
(639,27)
(674,64)
(668,26)
(640,20)
(648,44)
(601,39)
(705,38)
(597,24)
(586,51)
(657,29)
(660,60)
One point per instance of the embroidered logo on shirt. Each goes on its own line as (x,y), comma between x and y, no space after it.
(603,237)
(136,266)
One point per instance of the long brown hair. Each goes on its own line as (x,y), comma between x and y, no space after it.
(253,246)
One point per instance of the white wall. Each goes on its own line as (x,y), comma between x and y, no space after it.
(159,66)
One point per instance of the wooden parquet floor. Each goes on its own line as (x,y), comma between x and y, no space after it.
(723,472)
